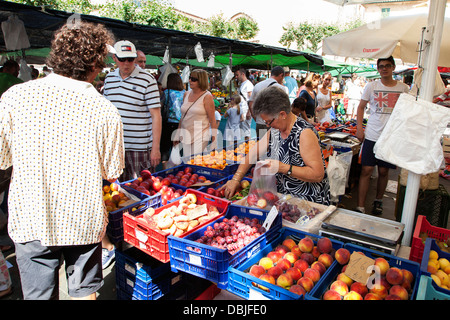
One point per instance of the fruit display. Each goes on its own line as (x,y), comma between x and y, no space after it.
(292,212)
(244,147)
(262,199)
(215,159)
(443,245)
(232,234)
(439,268)
(295,266)
(240,193)
(167,186)
(114,198)
(182,217)
(394,283)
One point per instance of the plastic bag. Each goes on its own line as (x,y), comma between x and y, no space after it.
(227,76)
(263,189)
(175,157)
(211,61)
(165,71)
(166,57)
(199,52)
(338,171)
(185,74)
(15,34)
(411,137)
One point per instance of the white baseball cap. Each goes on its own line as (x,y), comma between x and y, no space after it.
(125,49)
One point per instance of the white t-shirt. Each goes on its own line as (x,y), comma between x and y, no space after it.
(262,85)
(382,100)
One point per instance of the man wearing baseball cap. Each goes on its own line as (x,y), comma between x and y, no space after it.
(135,94)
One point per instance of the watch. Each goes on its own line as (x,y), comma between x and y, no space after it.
(289,172)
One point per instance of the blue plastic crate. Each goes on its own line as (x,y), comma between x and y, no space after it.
(114,228)
(140,265)
(412,266)
(212,263)
(241,283)
(426,290)
(430,244)
(209,173)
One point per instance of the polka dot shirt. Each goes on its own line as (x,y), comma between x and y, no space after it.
(62,138)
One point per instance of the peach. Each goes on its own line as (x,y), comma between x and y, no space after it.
(342,256)
(384,283)
(392,297)
(285,281)
(372,296)
(340,287)
(443,277)
(360,288)
(292,257)
(407,275)
(407,285)
(326,259)
(331,295)
(447,269)
(394,276)
(257,270)
(379,290)
(343,277)
(353,295)
(306,283)
(315,252)
(106,189)
(282,249)
(431,268)
(399,291)
(301,264)
(284,264)
(268,278)
(443,263)
(275,271)
(324,245)
(114,187)
(313,274)
(295,273)
(308,257)
(383,265)
(297,289)
(319,267)
(296,250)
(275,256)
(306,244)
(266,263)
(289,243)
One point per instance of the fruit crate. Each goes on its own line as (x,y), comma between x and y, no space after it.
(426,290)
(139,233)
(140,277)
(317,292)
(208,173)
(245,285)
(220,183)
(211,263)
(114,228)
(430,244)
(417,244)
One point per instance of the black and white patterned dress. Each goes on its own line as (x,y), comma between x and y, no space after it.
(287,151)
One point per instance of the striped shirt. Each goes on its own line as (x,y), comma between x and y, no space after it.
(134,96)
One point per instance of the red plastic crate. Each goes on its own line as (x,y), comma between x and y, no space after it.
(417,246)
(153,241)
(210,293)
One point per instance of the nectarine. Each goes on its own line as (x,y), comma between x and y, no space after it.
(342,256)
(394,276)
(326,259)
(285,281)
(306,244)
(275,271)
(340,287)
(313,274)
(289,243)
(295,273)
(352,295)
(266,263)
(382,264)
(306,283)
(297,289)
(359,288)
(331,295)
(324,245)
(399,291)
(257,270)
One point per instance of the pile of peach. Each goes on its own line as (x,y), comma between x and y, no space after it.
(392,284)
(296,267)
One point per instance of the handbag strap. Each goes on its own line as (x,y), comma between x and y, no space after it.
(192,105)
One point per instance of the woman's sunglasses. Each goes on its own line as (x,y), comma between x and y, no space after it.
(193,79)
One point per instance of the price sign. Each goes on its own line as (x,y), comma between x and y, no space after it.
(270,218)
(359,267)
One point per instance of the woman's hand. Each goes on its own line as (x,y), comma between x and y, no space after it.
(230,188)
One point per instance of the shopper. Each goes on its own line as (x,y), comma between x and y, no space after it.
(141,59)
(5,278)
(197,116)
(233,115)
(292,145)
(381,95)
(135,94)
(310,94)
(171,112)
(245,91)
(275,79)
(63,138)
(291,84)
(324,102)
(353,91)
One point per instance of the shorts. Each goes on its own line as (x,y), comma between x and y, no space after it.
(352,107)
(39,269)
(368,156)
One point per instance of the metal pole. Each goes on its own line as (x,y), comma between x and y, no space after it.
(431,55)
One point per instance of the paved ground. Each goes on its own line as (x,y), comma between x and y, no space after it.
(108,291)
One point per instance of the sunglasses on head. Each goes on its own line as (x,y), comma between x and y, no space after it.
(193,79)
(125,59)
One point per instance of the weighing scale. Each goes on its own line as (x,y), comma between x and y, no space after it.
(364,230)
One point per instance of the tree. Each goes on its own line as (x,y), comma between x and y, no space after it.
(310,35)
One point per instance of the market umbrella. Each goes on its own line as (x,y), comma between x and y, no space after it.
(397,36)
(435,51)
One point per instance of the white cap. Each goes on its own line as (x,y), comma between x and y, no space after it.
(125,49)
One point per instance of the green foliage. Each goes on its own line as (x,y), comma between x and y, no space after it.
(78,6)
(310,35)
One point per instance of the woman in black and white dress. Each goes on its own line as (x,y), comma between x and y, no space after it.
(292,148)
